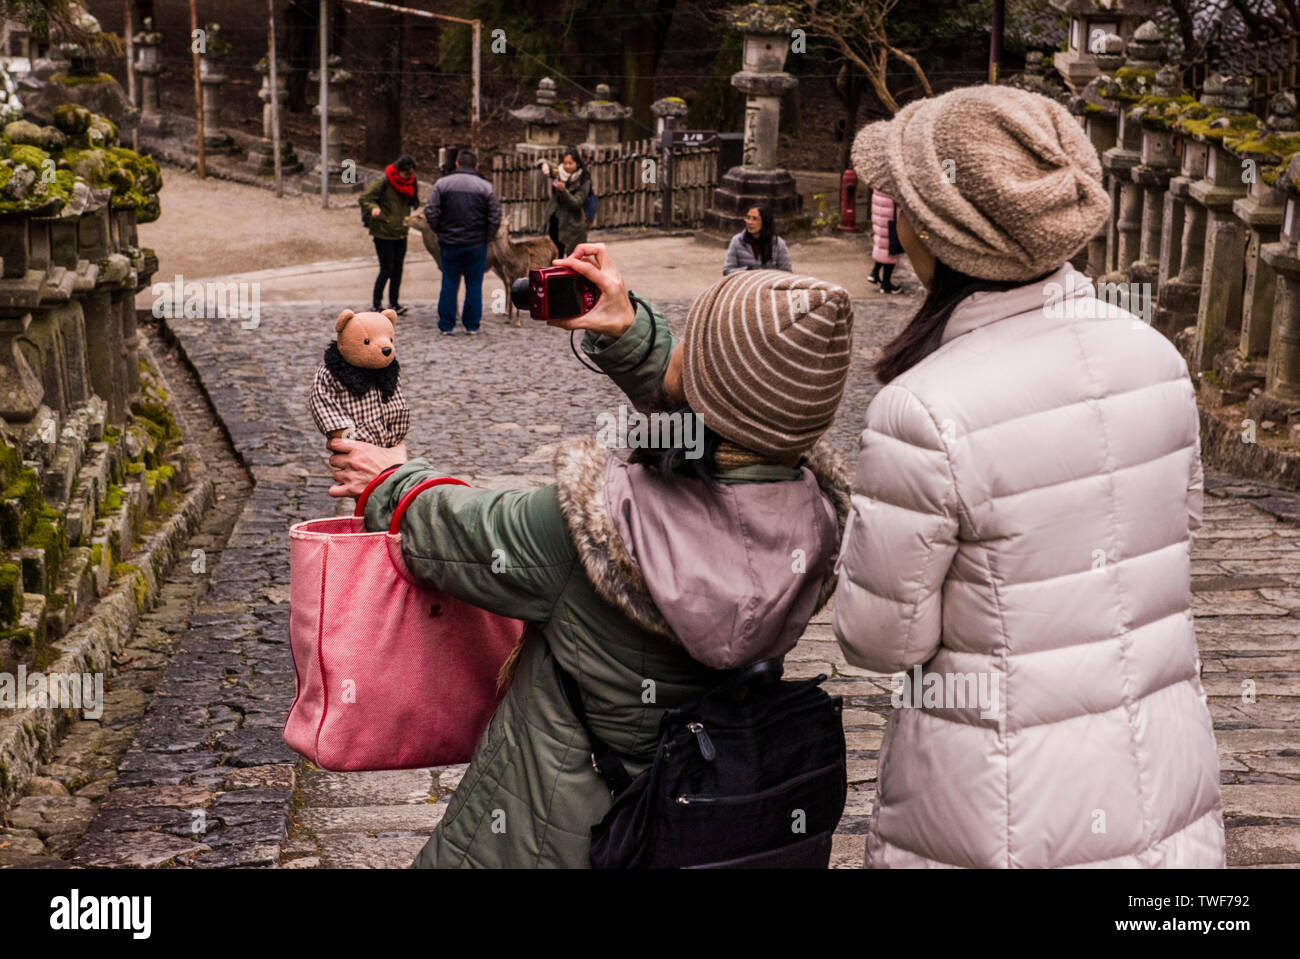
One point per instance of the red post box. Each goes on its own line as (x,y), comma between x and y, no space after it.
(849,202)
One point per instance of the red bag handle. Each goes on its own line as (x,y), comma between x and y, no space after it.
(409,498)
(374,483)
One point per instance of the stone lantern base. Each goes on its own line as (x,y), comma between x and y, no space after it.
(311,180)
(214,142)
(261,157)
(744,187)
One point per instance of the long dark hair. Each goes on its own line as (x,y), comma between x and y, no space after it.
(667,460)
(766,234)
(577,158)
(924,334)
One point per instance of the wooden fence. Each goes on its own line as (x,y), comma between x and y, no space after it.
(626,178)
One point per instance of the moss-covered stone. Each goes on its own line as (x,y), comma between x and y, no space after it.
(24,132)
(17,525)
(11,593)
(76,80)
(49,535)
(84,146)
(72,118)
(28,155)
(112,500)
(157,419)
(52,140)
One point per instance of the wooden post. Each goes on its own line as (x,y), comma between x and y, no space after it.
(666,173)
(198,90)
(474,111)
(323,29)
(129,29)
(995,39)
(275,97)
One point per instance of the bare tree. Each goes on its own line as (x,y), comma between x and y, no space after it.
(857,30)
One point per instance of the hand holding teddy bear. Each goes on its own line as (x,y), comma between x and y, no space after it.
(356,400)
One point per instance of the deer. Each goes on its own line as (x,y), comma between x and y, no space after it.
(508,259)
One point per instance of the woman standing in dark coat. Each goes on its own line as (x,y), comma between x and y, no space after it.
(565,213)
(385,204)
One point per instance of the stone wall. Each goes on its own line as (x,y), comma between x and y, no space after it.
(90,454)
(1204,240)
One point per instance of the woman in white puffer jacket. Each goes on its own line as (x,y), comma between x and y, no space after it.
(1026,489)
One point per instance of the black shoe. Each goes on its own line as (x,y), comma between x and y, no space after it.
(873,280)
(376,308)
(399,310)
(891,289)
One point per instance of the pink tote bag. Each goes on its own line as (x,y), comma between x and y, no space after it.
(390,674)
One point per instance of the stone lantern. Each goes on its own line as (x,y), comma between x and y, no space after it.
(1280,399)
(668,110)
(1143,54)
(210,80)
(1261,211)
(148,67)
(1219,312)
(762,78)
(1159,164)
(542,122)
(337,81)
(604,118)
(1090,22)
(261,153)
(1036,79)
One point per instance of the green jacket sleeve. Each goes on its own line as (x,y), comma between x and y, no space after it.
(506,551)
(370,198)
(574,199)
(621,357)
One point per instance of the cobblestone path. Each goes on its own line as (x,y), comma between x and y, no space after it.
(490,409)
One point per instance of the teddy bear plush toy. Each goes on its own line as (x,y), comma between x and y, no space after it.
(355,394)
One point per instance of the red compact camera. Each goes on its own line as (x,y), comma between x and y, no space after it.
(554,293)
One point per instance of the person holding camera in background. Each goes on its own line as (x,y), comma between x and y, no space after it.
(711,586)
(384,205)
(566,209)
(464,212)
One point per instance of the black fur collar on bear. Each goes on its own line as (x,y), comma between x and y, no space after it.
(358,379)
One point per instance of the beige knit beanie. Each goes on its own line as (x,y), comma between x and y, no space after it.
(765,358)
(1004,181)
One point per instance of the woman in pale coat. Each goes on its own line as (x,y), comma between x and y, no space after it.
(1026,490)
(757,247)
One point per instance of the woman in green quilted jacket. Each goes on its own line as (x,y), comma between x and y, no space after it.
(642,578)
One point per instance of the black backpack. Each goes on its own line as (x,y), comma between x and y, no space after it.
(751,774)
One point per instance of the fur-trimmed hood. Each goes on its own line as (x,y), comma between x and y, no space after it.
(731,572)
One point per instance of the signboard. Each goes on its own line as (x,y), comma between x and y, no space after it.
(692,138)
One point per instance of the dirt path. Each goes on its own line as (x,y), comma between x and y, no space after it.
(215,227)
(298,252)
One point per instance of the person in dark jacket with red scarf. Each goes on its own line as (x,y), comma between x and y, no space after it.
(384,205)
(757,247)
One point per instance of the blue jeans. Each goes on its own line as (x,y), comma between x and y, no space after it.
(469,262)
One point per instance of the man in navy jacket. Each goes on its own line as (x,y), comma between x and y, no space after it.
(464,212)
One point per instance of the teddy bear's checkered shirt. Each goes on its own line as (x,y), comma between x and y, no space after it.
(374,419)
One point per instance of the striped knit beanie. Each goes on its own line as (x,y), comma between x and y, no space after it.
(765,358)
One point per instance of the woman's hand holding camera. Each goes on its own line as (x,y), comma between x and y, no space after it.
(613,313)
